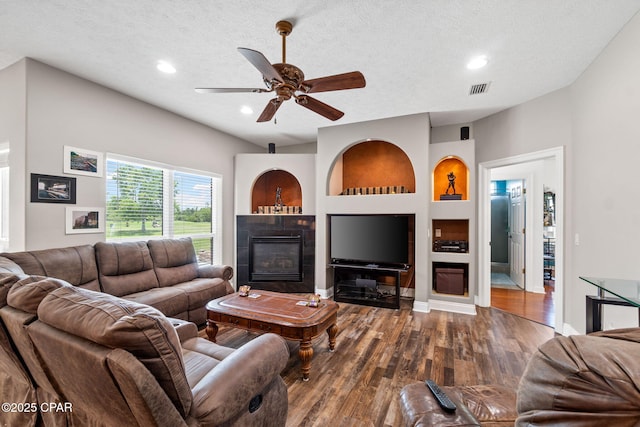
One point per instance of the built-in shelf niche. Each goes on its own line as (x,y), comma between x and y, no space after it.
(372,167)
(450,278)
(450,235)
(441,179)
(263,193)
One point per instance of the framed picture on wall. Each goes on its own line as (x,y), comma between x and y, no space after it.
(84,220)
(53,189)
(79,161)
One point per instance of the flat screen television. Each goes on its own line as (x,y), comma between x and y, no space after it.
(369,239)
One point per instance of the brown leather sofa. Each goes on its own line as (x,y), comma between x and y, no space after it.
(161,273)
(23,379)
(582,380)
(109,361)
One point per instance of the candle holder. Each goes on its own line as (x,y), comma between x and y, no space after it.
(314,300)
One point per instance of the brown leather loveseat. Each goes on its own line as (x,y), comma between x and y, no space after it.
(161,273)
(582,380)
(109,361)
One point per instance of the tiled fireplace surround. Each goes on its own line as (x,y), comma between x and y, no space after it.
(249,226)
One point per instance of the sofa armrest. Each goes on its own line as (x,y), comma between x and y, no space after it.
(224,272)
(229,387)
(420,408)
(185,329)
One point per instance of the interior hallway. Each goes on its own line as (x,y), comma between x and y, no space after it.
(529,305)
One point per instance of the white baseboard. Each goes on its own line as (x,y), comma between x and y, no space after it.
(453,307)
(421,306)
(568,330)
(324,293)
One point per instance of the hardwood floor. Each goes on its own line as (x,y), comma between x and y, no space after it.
(537,307)
(379,351)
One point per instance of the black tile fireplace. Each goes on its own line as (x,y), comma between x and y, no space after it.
(276,252)
(275,258)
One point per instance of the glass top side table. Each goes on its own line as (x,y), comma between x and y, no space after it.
(625,293)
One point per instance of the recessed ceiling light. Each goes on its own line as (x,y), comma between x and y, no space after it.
(165,67)
(477,62)
(246,110)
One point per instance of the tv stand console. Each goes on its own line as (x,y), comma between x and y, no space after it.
(367,284)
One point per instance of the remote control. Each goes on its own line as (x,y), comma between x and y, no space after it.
(443,400)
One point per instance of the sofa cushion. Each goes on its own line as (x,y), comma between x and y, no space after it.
(117,323)
(7,280)
(75,264)
(200,291)
(27,293)
(9,266)
(125,268)
(170,301)
(174,260)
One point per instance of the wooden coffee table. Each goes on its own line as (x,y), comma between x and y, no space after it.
(278,313)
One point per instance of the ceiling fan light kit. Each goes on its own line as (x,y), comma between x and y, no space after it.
(287,81)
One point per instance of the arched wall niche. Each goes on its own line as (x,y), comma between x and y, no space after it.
(372,167)
(447,165)
(265,186)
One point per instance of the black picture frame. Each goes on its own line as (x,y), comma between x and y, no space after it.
(53,189)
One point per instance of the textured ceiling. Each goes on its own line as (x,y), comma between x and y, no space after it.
(412,53)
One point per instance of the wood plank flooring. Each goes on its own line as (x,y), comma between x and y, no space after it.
(379,351)
(533,306)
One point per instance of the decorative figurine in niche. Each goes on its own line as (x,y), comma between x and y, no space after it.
(452,183)
(452,186)
(278,205)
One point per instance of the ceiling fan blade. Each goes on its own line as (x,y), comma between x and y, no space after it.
(352,80)
(263,65)
(228,90)
(270,110)
(319,107)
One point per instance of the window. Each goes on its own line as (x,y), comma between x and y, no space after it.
(148,200)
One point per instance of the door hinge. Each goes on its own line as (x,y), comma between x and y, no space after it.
(523,271)
(524,231)
(524,191)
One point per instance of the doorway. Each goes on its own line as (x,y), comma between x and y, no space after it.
(535,169)
(508,224)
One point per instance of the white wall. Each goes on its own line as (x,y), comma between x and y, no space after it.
(63,109)
(605,102)
(449,132)
(411,134)
(308,148)
(13,131)
(596,120)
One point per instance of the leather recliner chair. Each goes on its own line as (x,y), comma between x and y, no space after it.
(117,362)
(581,380)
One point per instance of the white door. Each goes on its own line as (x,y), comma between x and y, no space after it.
(517,233)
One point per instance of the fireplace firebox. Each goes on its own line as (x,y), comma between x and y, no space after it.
(275,258)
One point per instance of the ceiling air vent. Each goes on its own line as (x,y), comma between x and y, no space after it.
(479,88)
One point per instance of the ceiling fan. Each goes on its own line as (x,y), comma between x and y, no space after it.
(287,81)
